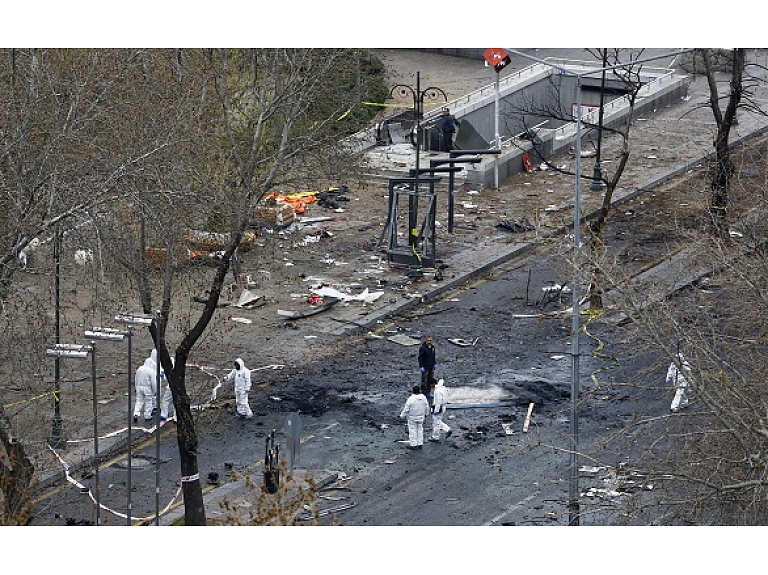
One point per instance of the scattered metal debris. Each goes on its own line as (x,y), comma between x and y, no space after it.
(516,226)
(463,342)
(310,312)
(324,512)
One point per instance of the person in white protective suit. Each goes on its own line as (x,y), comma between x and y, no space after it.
(438,411)
(680,378)
(146,388)
(167,409)
(414,412)
(241,376)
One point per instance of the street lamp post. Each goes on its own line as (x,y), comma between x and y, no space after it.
(131,319)
(79,351)
(57,440)
(573,491)
(418,95)
(110,334)
(573,496)
(157,437)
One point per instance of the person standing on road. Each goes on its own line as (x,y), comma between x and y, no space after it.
(448,126)
(680,378)
(145,382)
(414,412)
(427,360)
(241,376)
(438,411)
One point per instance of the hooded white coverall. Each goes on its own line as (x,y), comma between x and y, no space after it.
(146,387)
(241,376)
(167,409)
(414,411)
(441,399)
(681,379)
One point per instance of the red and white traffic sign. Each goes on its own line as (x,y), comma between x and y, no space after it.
(497,57)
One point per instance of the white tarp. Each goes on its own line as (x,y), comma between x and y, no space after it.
(364,296)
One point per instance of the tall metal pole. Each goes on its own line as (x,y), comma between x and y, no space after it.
(97,495)
(496,133)
(413,199)
(597,175)
(157,427)
(129,513)
(57,436)
(573,491)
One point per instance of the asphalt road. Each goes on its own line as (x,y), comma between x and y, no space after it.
(349,407)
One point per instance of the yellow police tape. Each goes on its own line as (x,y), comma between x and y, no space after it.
(35,398)
(403,105)
(593,314)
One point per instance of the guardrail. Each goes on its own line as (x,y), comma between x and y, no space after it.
(505,83)
(614,106)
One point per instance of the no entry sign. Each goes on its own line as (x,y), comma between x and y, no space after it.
(497,57)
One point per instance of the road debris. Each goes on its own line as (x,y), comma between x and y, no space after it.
(364,296)
(248,299)
(516,226)
(324,512)
(528,418)
(463,342)
(403,339)
(328,304)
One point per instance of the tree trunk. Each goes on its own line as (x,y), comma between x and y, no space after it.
(186,437)
(723,168)
(16,478)
(596,228)
(194,508)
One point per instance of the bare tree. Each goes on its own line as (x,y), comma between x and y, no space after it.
(249,118)
(706,463)
(68,149)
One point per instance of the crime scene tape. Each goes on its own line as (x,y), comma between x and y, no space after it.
(83,489)
(30,399)
(591,315)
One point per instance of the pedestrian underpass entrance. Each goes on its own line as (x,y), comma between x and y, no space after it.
(537,105)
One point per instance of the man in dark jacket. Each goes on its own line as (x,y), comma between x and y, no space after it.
(448,126)
(427,361)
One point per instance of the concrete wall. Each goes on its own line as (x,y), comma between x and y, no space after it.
(557,141)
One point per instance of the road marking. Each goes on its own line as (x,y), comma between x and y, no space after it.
(512,508)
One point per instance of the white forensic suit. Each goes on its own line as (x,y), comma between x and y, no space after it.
(146,387)
(438,411)
(167,409)
(681,380)
(241,376)
(414,411)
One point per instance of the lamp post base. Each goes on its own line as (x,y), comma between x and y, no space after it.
(57,439)
(597,183)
